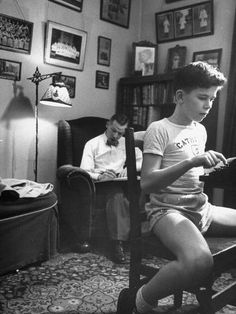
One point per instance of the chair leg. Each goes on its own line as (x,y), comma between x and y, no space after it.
(204,298)
(178,297)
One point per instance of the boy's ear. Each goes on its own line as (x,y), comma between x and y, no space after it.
(179,95)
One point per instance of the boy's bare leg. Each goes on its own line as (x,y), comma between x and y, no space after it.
(223,223)
(194,260)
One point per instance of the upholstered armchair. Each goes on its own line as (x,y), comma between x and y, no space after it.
(77,191)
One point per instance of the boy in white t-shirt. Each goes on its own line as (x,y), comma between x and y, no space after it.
(179,211)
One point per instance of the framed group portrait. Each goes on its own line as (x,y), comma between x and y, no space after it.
(185,22)
(65,46)
(15,34)
(116,12)
(145,58)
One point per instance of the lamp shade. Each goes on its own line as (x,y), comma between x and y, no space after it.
(56,95)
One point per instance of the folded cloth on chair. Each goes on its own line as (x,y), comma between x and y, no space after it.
(13,189)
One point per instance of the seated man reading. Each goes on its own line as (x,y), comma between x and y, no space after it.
(104,159)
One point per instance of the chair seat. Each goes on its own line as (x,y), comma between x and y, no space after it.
(25,205)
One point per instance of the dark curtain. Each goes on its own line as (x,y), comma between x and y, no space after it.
(229,146)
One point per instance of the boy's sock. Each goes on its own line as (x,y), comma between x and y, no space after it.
(141,305)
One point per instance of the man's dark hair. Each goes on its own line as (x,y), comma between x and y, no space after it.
(121,118)
(198,74)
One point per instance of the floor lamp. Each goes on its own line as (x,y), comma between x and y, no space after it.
(56,95)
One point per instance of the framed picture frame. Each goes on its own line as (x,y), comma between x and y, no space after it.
(165,26)
(185,22)
(71,4)
(212,57)
(10,70)
(15,34)
(102,79)
(116,12)
(65,46)
(176,58)
(69,81)
(104,51)
(202,19)
(145,58)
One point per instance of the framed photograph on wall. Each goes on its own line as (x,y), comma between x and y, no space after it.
(116,12)
(212,57)
(145,58)
(69,81)
(15,34)
(65,46)
(164,26)
(176,58)
(10,70)
(102,79)
(203,18)
(104,51)
(72,4)
(183,23)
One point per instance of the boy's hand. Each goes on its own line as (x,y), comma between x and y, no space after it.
(209,159)
(108,174)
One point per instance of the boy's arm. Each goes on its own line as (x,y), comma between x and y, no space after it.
(153,178)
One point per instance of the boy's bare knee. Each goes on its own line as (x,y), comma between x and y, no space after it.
(198,265)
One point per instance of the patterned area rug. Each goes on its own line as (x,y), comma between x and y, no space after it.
(77,284)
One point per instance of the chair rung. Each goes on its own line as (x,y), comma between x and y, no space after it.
(225,259)
(223,297)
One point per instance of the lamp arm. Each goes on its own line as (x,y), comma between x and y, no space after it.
(38,77)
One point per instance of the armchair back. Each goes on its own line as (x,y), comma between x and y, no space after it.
(72,136)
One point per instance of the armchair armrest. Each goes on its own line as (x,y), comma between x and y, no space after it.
(75,178)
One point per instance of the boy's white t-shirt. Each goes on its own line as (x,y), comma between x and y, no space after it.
(176,143)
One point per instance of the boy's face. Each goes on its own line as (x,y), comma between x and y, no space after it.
(196,104)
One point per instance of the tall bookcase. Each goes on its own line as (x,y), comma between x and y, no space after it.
(146,99)
(149,98)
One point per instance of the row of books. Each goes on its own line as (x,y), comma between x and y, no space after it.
(149,94)
(142,115)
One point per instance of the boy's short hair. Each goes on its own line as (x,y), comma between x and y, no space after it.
(121,118)
(198,74)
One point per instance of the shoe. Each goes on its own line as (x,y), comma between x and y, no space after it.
(118,255)
(126,301)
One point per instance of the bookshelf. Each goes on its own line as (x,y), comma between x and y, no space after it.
(146,99)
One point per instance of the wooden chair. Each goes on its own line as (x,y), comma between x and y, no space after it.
(223,250)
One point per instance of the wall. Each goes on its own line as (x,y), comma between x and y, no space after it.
(224,14)
(18,135)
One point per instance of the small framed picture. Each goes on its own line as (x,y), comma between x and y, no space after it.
(65,46)
(203,19)
(104,51)
(176,58)
(145,58)
(70,82)
(71,4)
(164,26)
(15,34)
(116,12)
(212,57)
(102,79)
(183,23)
(10,70)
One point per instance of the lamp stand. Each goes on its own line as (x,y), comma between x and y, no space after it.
(36,79)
